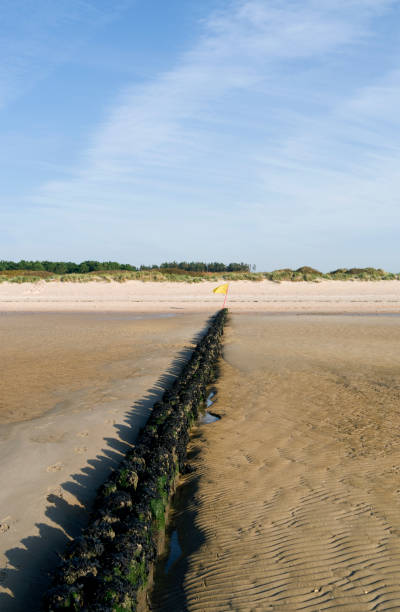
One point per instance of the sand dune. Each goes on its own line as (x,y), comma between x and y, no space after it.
(295,494)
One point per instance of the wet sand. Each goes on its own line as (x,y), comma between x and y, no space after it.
(294,501)
(74,389)
(46,357)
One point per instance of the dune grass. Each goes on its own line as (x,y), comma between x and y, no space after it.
(120,276)
(305,273)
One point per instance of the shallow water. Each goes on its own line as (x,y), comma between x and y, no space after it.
(209,417)
(175,551)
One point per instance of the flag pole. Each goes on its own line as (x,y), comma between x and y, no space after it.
(226,295)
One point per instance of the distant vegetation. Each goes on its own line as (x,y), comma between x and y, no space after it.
(25,271)
(305,273)
(85,267)
(31,271)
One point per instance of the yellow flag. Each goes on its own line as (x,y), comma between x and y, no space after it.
(221,289)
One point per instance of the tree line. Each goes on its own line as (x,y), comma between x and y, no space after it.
(69,267)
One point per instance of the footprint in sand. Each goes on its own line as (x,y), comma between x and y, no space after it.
(56,467)
(80,449)
(4,527)
(83,434)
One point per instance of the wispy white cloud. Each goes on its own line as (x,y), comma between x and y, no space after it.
(272,111)
(37,35)
(345,162)
(242,48)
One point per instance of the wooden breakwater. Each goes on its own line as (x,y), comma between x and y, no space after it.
(107,568)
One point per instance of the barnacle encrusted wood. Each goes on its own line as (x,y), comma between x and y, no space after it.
(108,565)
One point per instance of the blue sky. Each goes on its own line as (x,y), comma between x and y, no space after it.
(143,131)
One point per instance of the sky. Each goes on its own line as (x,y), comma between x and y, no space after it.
(143,131)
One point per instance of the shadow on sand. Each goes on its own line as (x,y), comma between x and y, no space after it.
(29,566)
(168,594)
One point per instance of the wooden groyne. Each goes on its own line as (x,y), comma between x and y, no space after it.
(107,568)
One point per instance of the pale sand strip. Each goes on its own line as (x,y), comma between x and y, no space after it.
(95,378)
(295,497)
(244,296)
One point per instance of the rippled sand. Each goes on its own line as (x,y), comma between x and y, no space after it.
(294,501)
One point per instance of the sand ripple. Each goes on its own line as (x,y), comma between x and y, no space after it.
(295,496)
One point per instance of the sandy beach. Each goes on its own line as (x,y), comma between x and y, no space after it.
(293,502)
(75,389)
(153,153)
(244,296)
